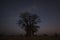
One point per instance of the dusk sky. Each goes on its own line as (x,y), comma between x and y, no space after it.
(48,10)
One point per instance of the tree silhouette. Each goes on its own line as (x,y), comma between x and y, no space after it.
(28,22)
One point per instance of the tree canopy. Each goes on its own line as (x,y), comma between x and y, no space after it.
(29,21)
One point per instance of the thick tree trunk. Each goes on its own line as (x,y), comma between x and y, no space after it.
(29,32)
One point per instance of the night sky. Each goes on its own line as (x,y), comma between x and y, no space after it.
(48,10)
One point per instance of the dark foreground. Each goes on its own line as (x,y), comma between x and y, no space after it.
(29,38)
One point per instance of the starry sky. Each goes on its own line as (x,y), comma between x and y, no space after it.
(48,10)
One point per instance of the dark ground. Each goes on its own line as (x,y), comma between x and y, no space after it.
(45,37)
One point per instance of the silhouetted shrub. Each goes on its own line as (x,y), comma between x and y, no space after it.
(21,35)
(1,35)
(45,35)
(56,35)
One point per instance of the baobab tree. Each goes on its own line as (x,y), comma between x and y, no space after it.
(28,22)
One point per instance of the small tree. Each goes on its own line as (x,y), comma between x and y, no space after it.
(29,21)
